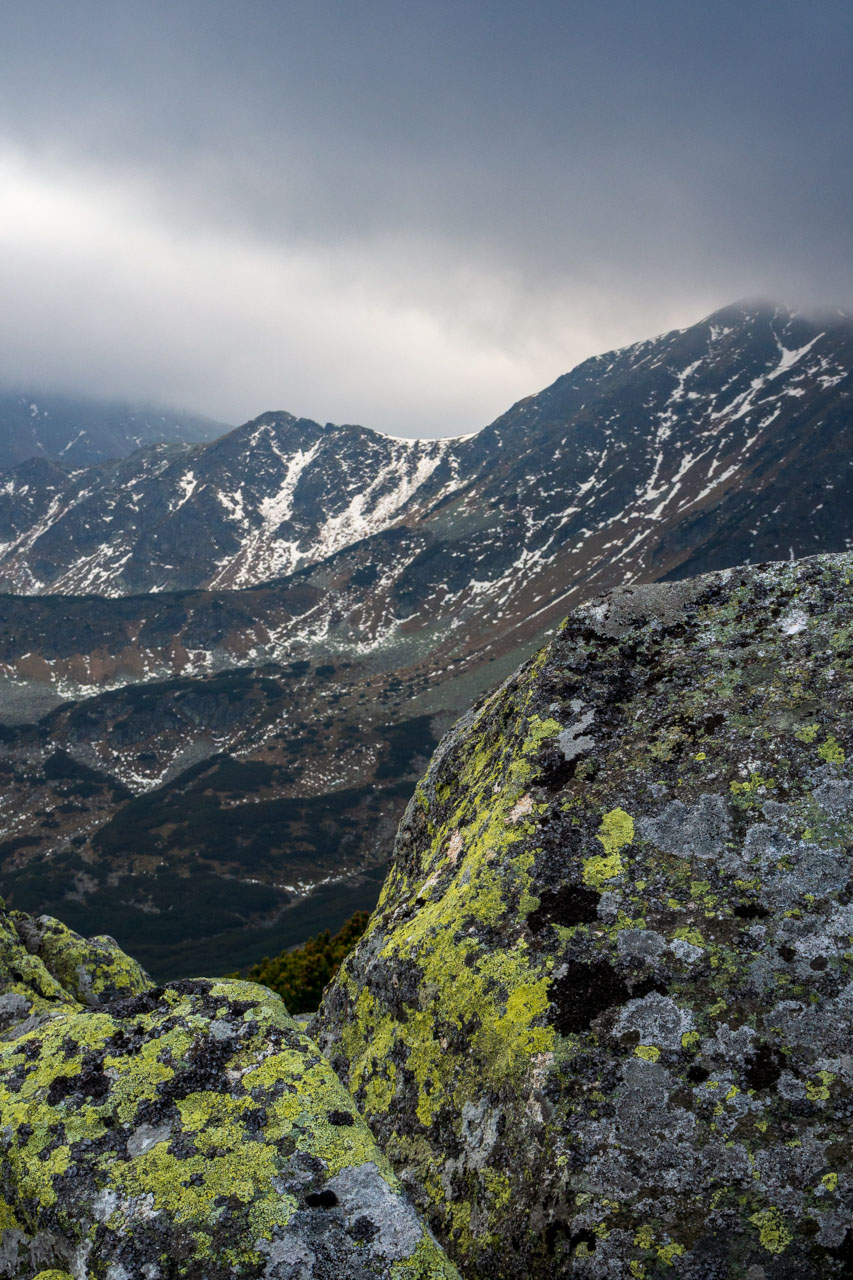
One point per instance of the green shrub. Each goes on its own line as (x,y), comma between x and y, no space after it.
(299,976)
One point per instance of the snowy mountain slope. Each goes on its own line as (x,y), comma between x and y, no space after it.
(80,432)
(255,504)
(413,576)
(728,442)
(704,429)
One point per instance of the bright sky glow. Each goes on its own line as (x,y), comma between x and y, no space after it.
(406,218)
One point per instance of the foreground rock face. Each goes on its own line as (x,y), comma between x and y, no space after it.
(601,1021)
(192,1130)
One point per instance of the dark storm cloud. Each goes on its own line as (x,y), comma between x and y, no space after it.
(406,214)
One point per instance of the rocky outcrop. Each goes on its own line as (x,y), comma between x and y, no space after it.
(187,1131)
(47,970)
(601,1020)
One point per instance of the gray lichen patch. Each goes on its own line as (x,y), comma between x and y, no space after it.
(601,1020)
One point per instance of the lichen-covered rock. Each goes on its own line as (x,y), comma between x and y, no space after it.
(29,992)
(188,1131)
(601,1020)
(92,971)
(47,970)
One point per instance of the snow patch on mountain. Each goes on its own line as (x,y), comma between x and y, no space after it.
(591,469)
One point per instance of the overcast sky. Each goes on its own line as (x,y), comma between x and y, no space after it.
(400,213)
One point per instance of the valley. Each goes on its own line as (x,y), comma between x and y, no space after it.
(223,665)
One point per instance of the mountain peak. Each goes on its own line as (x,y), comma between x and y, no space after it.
(620,447)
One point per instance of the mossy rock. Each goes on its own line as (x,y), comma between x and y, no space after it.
(187,1131)
(92,971)
(46,970)
(601,1019)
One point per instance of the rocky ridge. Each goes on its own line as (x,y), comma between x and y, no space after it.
(663,451)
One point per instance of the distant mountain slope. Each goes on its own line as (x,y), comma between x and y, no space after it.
(81,432)
(193,815)
(257,503)
(730,438)
(247,744)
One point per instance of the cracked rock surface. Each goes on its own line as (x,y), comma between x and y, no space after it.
(180,1132)
(601,1020)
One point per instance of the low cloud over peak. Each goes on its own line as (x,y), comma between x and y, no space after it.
(408,218)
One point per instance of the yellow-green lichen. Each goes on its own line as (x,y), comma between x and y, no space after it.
(92,970)
(538,731)
(190,1157)
(615,832)
(808,733)
(831,751)
(600,868)
(426,1263)
(506,990)
(686,933)
(818,1090)
(774,1233)
(755,783)
(8,1218)
(669,1252)
(644,1237)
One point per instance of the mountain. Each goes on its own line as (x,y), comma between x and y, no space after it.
(694,430)
(262,500)
(229,738)
(79,432)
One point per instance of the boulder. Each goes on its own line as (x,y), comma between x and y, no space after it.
(601,1019)
(184,1131)
(91,971)
(46,970)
